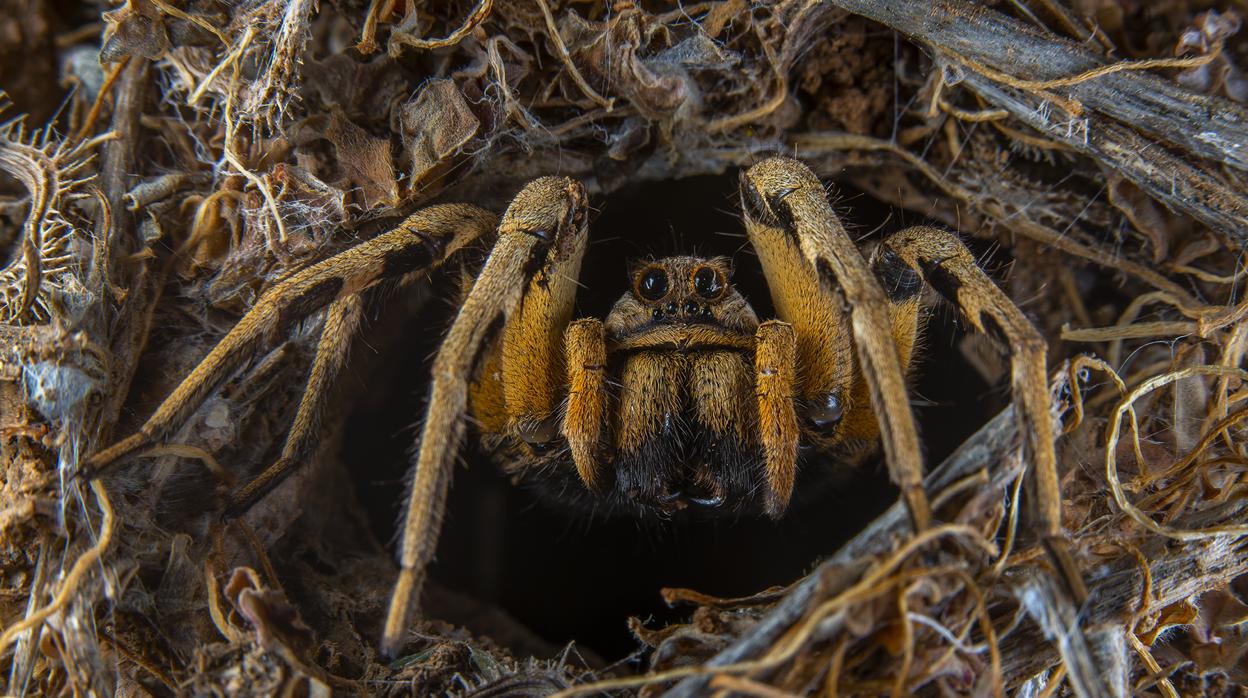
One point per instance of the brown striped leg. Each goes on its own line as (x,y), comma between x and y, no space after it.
(825,345)
(543,226)
(775,383)
(341,321)
(950,268)
(532,354)
(586,413)
(784,202)
(420,242)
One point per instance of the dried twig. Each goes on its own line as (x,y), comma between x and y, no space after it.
(1210,127)
(1172,180)
(400,38)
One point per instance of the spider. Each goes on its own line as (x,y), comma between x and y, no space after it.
(680,398)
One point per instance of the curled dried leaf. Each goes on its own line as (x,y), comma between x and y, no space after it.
(134,29)
(365,159)
(433,126)
(613,51)
(1208,34)
(276,622)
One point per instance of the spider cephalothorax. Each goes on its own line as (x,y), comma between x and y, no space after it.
(680,397)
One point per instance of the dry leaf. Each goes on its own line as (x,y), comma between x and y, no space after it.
(434,126)
(365,159)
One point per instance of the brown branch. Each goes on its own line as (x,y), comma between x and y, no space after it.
(118,234)
(1163,175)
(1208,126)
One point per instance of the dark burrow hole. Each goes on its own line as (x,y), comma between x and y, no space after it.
(567,577)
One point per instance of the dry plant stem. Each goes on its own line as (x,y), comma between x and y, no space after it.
(26,648)
(868,584)
(763,110)
(72,580)
(1054,682)
(907,633)
(1167,688)
(215,609)
(985,625)
(88,124)
(973,116)
(1089,675)
(1139,330)
(1070,24)
(1163,175)
(397,39)
(1094,73)
(812,144)
(733,685)
(1111,466)
(377,11)
(561,49)
(197,21)
(1210,277)
(1210,127)
(128,329)
(226,62)
(130,655)
(227,149)
(193,452)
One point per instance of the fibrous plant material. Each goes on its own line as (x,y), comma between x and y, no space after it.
(203,152)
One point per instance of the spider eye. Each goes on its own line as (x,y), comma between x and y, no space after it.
(708,283)
(653,284)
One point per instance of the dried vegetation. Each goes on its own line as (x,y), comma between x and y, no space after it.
(195,151)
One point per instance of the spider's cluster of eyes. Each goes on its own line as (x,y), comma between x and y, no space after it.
(653,285)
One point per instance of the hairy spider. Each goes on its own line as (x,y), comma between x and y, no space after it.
(680,398)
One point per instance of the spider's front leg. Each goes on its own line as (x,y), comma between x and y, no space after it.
(419,243)
(824,288)
(524,291)
(947,266)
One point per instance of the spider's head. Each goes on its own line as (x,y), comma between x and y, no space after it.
(675,292)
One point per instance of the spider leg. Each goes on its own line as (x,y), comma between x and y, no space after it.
(420,242)
(542,229)
(950,268)
(775,364)
(819,279)
(342,319)
(586,348)
(532,353)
